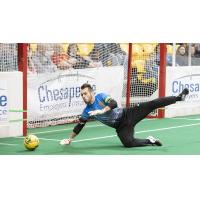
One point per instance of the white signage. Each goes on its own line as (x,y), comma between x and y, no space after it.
(58,95)
(177,79)
(3,101)
(184,77)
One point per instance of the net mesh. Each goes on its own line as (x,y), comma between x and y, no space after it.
(65,64)
(8,57)
(145,72)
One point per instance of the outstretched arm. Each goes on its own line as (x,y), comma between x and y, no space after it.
(77,129)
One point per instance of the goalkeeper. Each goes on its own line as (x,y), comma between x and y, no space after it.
(104,109)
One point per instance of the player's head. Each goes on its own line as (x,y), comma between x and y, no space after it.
(87,93)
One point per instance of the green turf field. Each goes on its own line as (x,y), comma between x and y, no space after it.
(180,136)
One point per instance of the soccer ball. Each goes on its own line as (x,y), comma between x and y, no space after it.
(31,142)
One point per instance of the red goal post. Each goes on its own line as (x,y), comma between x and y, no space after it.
(143,83)
(144,78)
(23,66)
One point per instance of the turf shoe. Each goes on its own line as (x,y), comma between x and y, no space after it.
(154,141)
(182,95)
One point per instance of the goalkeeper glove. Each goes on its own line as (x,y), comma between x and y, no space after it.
(65,141)
(96,112)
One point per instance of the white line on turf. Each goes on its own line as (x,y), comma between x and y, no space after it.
(96,138)
(190,119)
(48,139)
(87,126)
(161,129)
(66,129)
(145,131)
(8,144)
(70,129)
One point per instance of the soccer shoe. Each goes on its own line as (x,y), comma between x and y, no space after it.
(65,142)
(182,95)
(154,141)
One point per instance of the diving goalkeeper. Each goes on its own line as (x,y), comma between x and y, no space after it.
(104,109)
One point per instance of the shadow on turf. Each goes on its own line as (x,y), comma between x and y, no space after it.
(114,149)
(26,151)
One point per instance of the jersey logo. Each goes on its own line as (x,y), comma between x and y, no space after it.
(107,99)
(102,104)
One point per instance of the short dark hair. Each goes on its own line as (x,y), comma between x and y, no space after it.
(86,85)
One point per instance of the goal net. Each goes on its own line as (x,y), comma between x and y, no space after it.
(144,77)
(8,57)
(57,71)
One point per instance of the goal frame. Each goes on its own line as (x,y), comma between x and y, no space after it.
(23,67)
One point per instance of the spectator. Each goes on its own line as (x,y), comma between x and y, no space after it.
(193,51)
(98,54)
(42,59)
(182,55)
(79,61)
(31,67)
(61,59)
(116,54)
(195,59)
(169,59)
(169,54)
(197,49)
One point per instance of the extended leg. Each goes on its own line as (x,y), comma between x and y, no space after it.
(126,135)
(142,110)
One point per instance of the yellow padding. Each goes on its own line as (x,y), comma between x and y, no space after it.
(85,49)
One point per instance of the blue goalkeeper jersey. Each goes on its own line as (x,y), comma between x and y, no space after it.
(110,118)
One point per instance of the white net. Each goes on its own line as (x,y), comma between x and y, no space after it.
(56,72)
(145,72)
(8,57)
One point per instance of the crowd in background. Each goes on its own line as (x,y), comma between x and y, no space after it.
(45,58)
(52,57)
(49,58)
(185,55)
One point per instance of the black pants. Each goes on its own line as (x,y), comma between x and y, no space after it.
(131,116)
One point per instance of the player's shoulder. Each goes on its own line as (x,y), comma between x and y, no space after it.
(102,95)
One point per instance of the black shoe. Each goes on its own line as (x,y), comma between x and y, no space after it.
(154,141)
(182,95)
